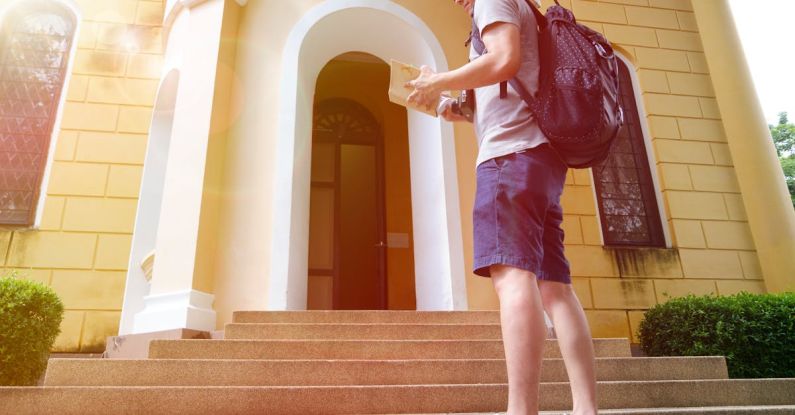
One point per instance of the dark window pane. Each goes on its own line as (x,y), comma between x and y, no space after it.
(619,191)
(35,41)
(620,175)
(623,207)
(624,189)
(625,224)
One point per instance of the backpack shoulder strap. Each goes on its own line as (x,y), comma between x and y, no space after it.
(474,37)
(520,89)
(477,42)
(541,20)
(480,48)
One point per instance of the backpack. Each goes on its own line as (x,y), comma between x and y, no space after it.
(577,106)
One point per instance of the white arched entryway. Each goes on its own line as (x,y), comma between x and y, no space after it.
(388,31)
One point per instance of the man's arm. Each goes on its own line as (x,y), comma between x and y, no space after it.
(501,63)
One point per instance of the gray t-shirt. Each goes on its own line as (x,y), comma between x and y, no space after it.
(505,126)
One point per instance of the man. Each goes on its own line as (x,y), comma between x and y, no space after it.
(517,213)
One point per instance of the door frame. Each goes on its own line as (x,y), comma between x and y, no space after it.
(325,31)
(380,183)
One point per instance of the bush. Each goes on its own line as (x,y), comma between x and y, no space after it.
(756,333)
(30,320)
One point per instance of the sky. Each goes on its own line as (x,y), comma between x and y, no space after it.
(767,31)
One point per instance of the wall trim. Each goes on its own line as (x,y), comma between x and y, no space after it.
(175,7)
(150,200)
(189,309)
(650,154)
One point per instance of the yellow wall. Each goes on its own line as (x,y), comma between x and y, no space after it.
(247,186)
(713,251)
(83,245)
(713,248)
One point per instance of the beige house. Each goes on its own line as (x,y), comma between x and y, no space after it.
(165,163)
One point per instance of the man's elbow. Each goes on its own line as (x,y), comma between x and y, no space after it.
(508,67)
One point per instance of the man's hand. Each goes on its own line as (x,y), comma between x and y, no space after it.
(426,91)
(450,116)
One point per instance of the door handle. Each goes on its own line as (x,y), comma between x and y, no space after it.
(380,245)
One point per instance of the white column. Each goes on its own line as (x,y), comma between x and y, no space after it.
(173,303)
(765,196)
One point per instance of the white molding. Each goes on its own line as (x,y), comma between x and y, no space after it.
(650,153)
(652,157)
(188,309)
(174,7)
(325,31)
(150,198)
(70,4)
(169,206)
(643,116)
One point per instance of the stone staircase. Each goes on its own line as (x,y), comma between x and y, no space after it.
(377,362)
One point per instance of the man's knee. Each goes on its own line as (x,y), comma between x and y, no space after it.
(553,291)
(510,280)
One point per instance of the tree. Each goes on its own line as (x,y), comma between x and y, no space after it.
(784,139)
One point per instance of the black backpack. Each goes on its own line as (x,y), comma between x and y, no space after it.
(577,106)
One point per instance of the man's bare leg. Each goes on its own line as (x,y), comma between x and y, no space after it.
(576,343)
(523,334)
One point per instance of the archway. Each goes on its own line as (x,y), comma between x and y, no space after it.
(328,30)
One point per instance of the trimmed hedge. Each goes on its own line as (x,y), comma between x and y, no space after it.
(756,333)
(30,320)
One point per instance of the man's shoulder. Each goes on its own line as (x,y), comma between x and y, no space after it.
(509,11)
(484,7)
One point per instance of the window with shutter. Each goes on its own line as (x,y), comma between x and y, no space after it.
(35,40)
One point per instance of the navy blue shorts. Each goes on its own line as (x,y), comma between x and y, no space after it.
(517,214)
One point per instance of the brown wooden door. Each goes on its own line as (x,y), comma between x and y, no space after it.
(348,146)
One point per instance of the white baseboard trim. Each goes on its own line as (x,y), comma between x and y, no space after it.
(189,309)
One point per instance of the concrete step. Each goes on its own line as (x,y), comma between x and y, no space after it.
(358,349)
(176,372)
(713,410)
(361,331)
(368,316)
(382,399)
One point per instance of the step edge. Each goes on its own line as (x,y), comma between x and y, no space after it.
(435,385)
(661,359)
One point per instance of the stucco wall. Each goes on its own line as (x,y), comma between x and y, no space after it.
(83,244)
(715,252)
(712,249)
(82,247)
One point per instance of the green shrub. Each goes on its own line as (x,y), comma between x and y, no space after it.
(30,320)
(756,333)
